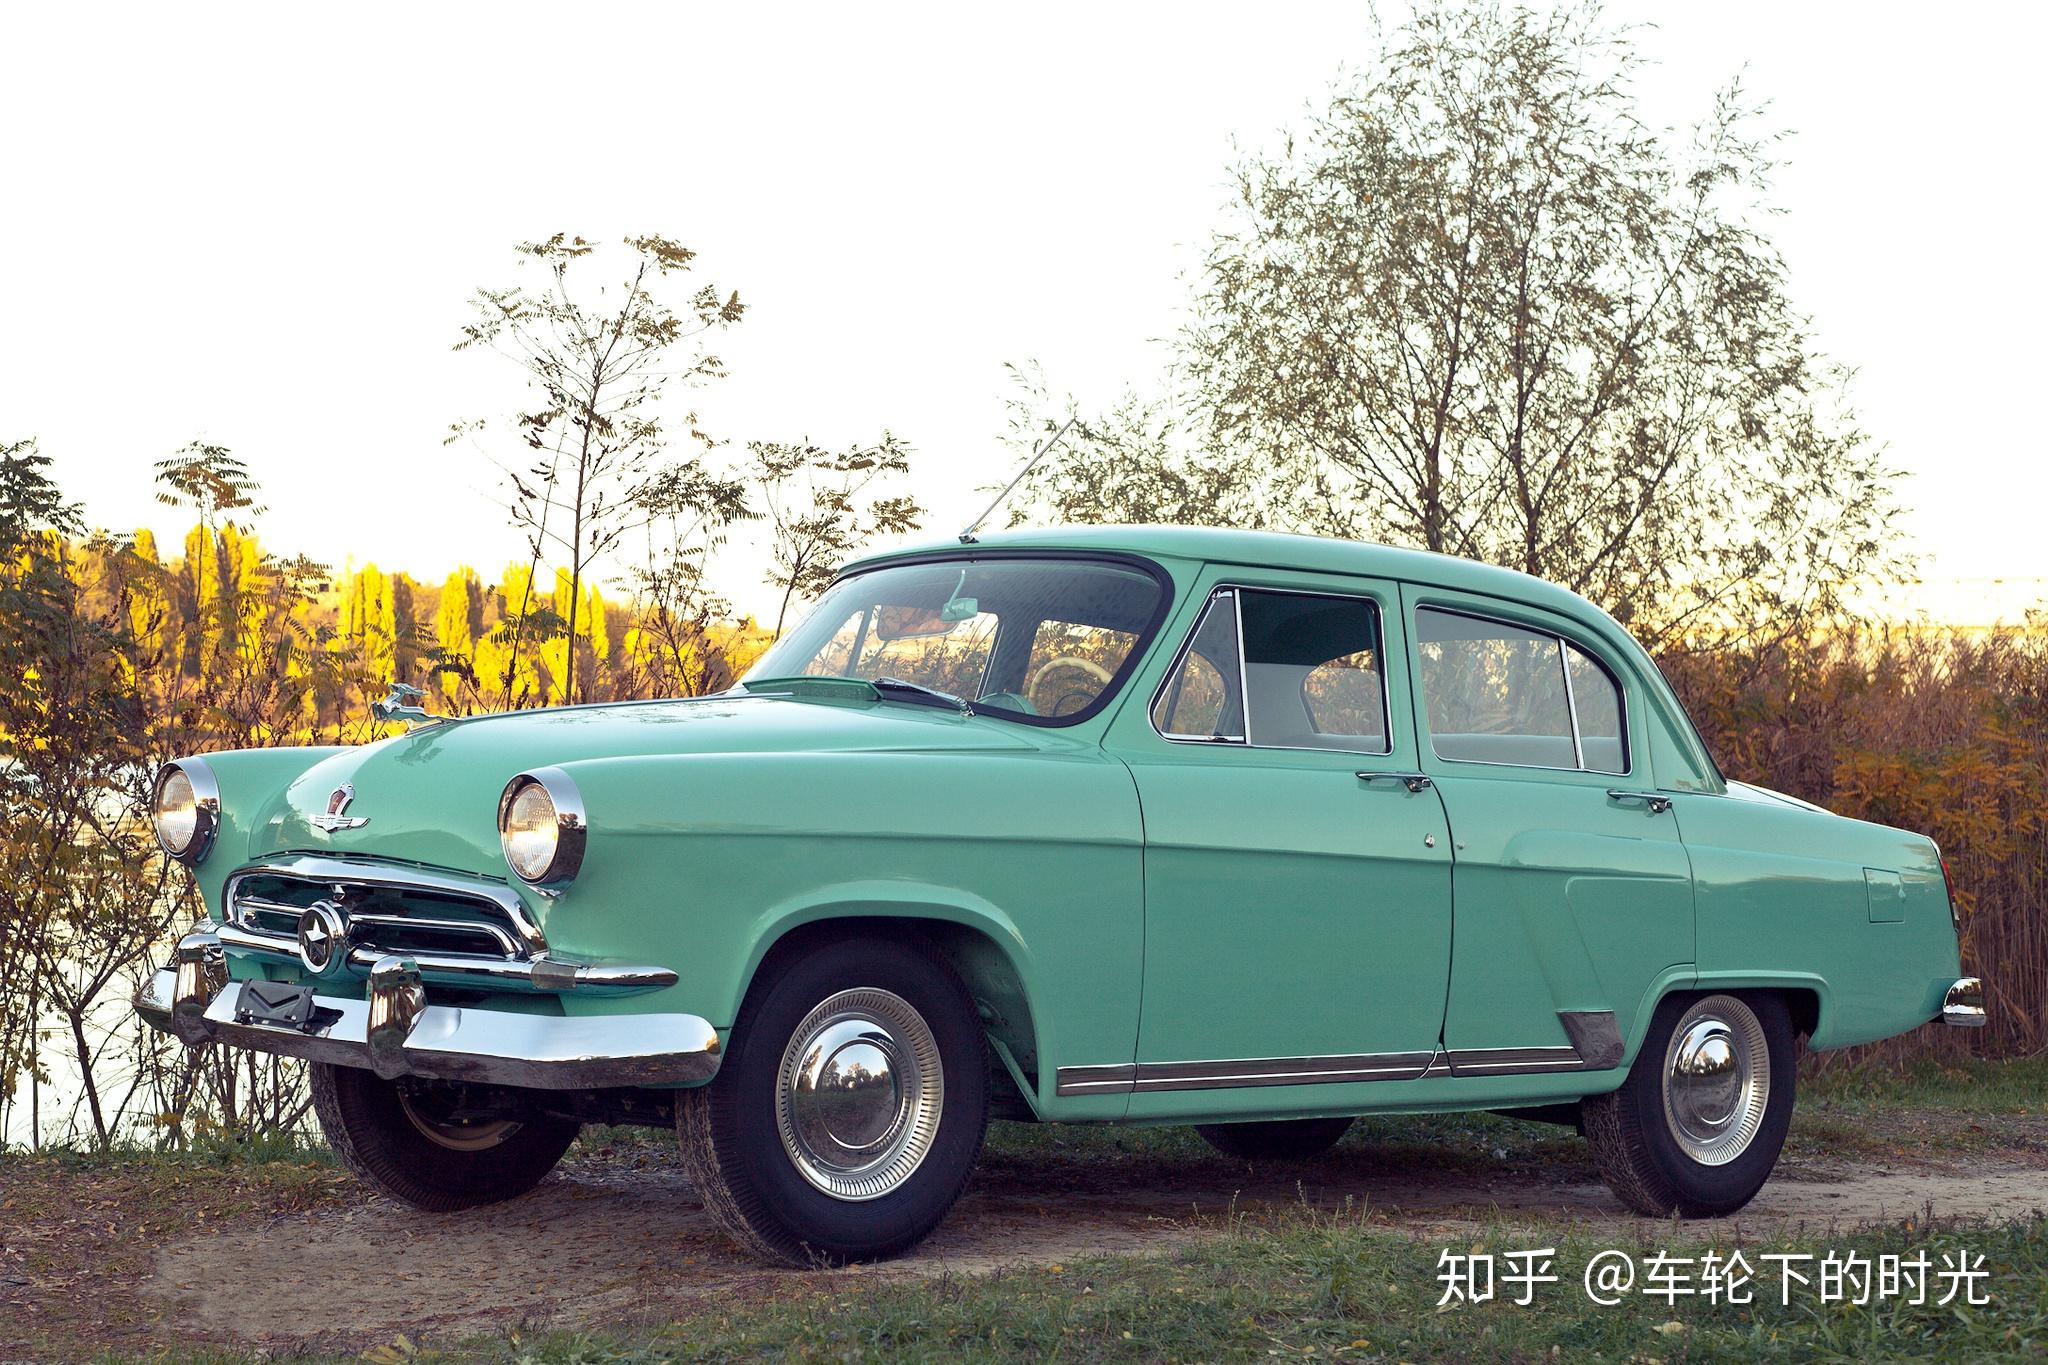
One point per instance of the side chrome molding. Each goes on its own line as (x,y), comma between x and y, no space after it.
(1596,1046)
(1236,1073)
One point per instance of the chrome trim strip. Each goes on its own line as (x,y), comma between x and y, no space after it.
(1962,1005)
(395,1034)
(1094,1080)
(1335,1069)
(1510,1061)
(1238,1073)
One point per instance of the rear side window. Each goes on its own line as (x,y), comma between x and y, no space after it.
(1280,670)
(1502,693)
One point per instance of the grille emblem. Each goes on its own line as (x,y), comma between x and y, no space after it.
(323,932)
(332,818)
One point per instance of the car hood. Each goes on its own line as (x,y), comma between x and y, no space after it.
(431,796)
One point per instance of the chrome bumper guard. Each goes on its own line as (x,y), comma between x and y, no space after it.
(395,1032)
(1963,1005)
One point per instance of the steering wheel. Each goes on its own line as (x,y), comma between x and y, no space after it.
(1082,696)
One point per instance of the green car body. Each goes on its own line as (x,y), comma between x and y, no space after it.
(1154,930)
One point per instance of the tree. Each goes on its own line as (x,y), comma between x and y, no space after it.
(213,481)
(815,510)
(1142,460)
(690,508)
(1477,306)
(600,368)
(80,898)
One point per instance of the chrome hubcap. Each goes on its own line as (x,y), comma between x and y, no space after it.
(859,1093)
(1717,1080)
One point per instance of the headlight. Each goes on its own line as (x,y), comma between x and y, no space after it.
(542,827)
(185,808)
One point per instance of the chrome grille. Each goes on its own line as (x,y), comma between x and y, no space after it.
(388,910)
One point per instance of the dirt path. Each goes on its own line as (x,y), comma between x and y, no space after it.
(608,1241)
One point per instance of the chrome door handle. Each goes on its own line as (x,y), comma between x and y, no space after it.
(1657,802)
(1414,782)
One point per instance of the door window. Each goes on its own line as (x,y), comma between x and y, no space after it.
(1281,670)
(1501,693)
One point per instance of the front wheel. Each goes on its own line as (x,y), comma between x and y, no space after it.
(849,1110)
(415,1141)
(1697,1127)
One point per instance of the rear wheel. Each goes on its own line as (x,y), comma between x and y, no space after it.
(410,1139)
(1278,1140)
(1696,1128)
(850,1108)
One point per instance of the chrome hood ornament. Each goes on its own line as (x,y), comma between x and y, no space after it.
(402,703)
(335,816)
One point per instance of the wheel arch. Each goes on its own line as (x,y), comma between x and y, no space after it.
(1806,995)
(979,941)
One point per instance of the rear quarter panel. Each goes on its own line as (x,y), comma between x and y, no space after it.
(1785,897)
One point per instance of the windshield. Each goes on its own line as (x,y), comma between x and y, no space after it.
(1034,639)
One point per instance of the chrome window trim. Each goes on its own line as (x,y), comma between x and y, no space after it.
(1571,703)
(1180,658)
(1237,592)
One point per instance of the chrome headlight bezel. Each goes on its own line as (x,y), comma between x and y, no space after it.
(205,809)
(571,826)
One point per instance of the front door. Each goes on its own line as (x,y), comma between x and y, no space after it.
(1297,871)
(1574,890)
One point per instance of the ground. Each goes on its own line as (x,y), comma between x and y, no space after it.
(614,1258)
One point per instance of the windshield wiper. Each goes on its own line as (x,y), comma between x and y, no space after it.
(911,691)
(893,689)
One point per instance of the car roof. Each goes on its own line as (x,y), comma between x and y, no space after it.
(1270,549)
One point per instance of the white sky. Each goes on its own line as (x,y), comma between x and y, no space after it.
(261,226)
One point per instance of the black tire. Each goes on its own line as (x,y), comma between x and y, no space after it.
(370,1125)
(734,1145)
(1632,1132)
(1277,1140)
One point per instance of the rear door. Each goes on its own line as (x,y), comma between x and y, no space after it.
(1297,871)
(1573,887)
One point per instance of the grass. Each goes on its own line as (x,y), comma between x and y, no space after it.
(1976,1086)
(1340,1288)
(1277,1280)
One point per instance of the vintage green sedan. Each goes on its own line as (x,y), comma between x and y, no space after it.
(1251,832)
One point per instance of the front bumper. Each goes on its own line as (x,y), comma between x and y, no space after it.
(1963,1004)
(394,1032)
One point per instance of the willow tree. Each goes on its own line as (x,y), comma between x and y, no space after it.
(1477,305)
(599,364)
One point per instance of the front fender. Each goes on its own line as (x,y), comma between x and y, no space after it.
(252,782)
(703,862)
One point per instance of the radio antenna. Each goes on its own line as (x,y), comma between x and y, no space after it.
(967,536)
